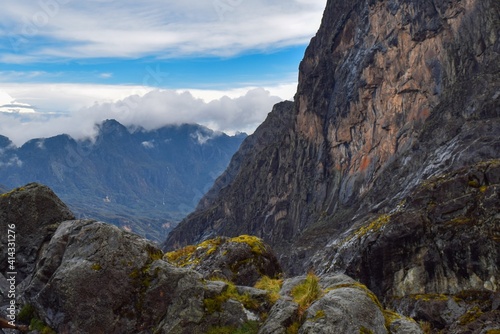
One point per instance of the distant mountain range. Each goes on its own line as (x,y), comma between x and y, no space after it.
(144,181)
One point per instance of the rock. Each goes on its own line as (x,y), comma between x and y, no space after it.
(341,306)
(347,310)
(441,240)
(29,216)
(36,213)
(390,93)
(242,260)
(93,277)
(281,317)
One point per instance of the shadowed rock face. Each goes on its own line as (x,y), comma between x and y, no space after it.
(36,213)
(390,93)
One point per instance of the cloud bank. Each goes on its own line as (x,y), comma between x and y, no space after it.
(152,110)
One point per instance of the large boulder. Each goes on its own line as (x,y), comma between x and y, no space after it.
(95,278)
(242,260)
(332,304)
(35,212)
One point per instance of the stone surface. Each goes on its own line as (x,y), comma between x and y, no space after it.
(242,260)
(390,93)
(36,212)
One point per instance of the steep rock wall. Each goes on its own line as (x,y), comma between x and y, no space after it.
(390,93)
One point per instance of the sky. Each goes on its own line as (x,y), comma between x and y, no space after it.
(66,65)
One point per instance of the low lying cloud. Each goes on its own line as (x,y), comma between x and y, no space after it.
(152,110)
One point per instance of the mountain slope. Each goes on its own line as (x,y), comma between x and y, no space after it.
(140,180)
(390,93)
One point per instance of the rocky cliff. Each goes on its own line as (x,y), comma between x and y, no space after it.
(390,94)
(385,167)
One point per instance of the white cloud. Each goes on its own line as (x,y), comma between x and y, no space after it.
(130,28)
(148,144)
(241,109)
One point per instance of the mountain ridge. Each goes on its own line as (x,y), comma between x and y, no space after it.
(144,181)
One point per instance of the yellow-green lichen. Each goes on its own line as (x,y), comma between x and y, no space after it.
(255,243)
(96,266)
(470,316)
(216,303)
(320,314)
(249,327)
(373,226)
(272,286)
(293,328)
(364,330)
(430,296)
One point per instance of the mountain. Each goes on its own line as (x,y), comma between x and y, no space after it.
(385,166)
(143,181)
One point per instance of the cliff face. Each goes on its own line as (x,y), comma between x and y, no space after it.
(390,93)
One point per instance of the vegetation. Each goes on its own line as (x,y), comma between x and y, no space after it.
(194,254)
(249,327)
(231,292)
(272,286)
(470,316)
(293,328)
(27,314)
(307,292)
(255,243)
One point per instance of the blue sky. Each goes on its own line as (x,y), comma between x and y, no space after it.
(70,64)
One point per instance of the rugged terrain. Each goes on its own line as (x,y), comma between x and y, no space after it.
(85,276)
(385,167)
(390,94)
(144,181)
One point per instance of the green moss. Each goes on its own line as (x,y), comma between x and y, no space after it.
(26,313)
(364,330)
(255,243)
(307,292)
(215,304)
(181,257)
(193,255)
(249,327)
(272,286)
(7,194)
(38,325)
(320,314)
(430,296)
(96,267)
(470,316)
(293,328)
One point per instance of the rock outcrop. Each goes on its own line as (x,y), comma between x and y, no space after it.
(242,260)
(92,277)
(35,213)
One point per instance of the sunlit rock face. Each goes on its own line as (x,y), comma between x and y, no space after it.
(390,94)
